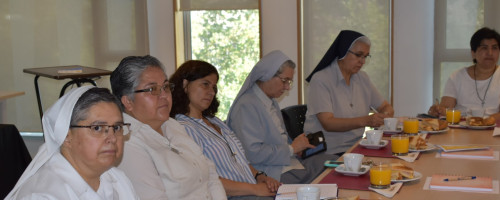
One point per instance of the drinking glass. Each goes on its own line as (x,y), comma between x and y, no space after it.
(410,126)
(453,115)
(380,175)
(400,144)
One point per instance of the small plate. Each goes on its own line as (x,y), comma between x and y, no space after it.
(455,125)
(363,170)
(438,131)
(416,176)
(464,124)
(365,144)
(430,147)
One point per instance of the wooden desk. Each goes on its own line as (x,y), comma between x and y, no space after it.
(428,165)
(77,78)
(3,96)
(9,94)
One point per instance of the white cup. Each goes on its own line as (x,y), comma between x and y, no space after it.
(391,123)
(308,193)
(352,161)
(374,136)
(475,112)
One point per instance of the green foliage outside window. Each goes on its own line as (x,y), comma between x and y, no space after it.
(229,40)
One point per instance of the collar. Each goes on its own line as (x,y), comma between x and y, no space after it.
(268,102)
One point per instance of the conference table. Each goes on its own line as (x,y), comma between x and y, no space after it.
(428,164)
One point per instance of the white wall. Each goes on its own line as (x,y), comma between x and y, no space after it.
(413,56)
(413,46)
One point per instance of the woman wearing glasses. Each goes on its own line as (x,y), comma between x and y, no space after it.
(341,95)
(194,106)
(162,161)
(83,134)
(256,118)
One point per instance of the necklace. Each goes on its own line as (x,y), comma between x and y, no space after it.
(483,100)
(217,135)
(352,94)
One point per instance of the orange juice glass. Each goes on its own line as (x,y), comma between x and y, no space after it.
(400,144)
(453,115)
(380,175)
(410,126)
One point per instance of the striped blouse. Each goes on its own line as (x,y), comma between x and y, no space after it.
(219,148)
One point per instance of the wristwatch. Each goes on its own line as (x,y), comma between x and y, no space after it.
(260,173)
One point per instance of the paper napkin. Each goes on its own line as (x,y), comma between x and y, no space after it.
(389,192)
(410,157)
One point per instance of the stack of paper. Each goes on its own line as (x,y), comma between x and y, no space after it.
(485,154)
(450,182)
(451,148)
(288,191)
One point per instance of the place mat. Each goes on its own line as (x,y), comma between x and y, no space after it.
(361,182)
(384,152)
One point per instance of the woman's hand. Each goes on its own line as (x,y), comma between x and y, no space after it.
(301,143)
(437,110)
(260,189)
(375,120)
(272,184)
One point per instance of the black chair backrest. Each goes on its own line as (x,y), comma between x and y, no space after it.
(294,118)
(14,158)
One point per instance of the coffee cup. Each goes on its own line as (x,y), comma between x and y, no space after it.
(308,193)
(374,136)
(352,161)
(391,123)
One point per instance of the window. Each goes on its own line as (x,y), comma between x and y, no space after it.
(228,39)
(322,20)
(455,23)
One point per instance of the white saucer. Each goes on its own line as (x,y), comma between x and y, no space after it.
(363,170)
(416,176)
(365,144)
(430,147)
(464,124)
(438,131)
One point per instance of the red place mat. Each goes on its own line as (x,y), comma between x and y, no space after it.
(361,182)
(384,152)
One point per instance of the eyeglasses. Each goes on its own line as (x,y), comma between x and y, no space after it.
(156,89)
(360,56)
(102,130)
(285,80)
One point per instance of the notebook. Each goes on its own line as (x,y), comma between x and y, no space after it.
(484,184)
(288,191)
(451,148)
(485,153)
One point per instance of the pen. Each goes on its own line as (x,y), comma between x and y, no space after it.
(460,178)
(373,109)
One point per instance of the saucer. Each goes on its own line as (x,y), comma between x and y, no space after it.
(365,144)
(342,169)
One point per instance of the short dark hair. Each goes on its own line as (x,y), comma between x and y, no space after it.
(126,77)
(191,70)
(90,98)
(480,35)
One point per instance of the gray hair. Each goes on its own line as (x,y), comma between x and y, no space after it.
(126,77)
(90,98)
(287,63)
(362,39)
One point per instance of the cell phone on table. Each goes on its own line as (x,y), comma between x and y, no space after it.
(332,163)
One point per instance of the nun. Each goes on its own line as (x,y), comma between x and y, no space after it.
(340,95)
(83,139)
(255,117)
